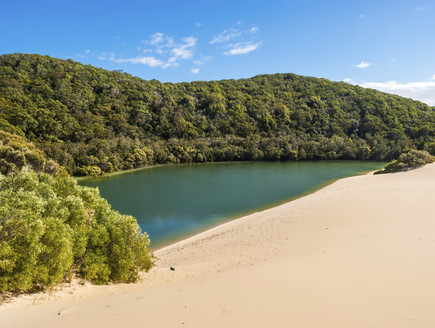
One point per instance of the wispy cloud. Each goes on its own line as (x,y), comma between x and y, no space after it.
(420,9)
(237,41)
(165,52)
(348,80)
(202,60)
(107,56)
(194,70)
(423,91)
(226,36)
(162,43)
(363,65)
(85,54)
(150,61)
(183,51)
(433,77)
(157,38)
(241,48)
(362,16)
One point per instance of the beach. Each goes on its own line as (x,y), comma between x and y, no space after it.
(358,253)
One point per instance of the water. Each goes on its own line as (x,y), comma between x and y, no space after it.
(171,202)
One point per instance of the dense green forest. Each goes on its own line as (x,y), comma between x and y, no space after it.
(92,121)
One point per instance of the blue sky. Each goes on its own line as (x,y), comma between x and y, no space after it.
(384,44)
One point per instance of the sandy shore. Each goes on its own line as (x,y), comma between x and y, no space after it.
(358,253)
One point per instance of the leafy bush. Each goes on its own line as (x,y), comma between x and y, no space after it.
(52,228)
(16,152)
(406,161)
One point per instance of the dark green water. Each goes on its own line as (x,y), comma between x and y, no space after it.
(171,202)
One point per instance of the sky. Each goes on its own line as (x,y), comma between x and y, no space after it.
(387,45)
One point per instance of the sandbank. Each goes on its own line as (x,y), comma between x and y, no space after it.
(357,253)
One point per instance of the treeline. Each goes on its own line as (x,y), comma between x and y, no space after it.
(92,121)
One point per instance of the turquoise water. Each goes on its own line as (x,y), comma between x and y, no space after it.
(172,202)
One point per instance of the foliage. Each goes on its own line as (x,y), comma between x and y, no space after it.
(51,228)
(16,152)
(93,121)
(409,160)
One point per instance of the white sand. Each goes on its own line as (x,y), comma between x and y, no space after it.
(358,253)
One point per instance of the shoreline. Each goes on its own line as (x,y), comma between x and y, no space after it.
(248,213)
(357,252)
(162,240)
(146,167)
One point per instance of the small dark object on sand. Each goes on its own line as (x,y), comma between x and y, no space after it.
(172,269)
(61,311)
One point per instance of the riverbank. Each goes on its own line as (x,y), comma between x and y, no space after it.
(357,253)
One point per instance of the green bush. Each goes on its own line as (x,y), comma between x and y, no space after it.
(51,228)
(406,161)
(17,152)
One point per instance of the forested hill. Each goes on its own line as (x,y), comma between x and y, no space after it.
(91,120)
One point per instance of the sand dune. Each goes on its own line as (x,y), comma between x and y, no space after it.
(358,253)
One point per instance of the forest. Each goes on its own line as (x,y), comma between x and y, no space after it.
(92,121)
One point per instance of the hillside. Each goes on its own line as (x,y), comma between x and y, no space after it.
(92,121)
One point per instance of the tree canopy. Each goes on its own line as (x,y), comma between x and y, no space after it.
(92,120)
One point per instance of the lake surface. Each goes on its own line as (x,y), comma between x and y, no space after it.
(172,202)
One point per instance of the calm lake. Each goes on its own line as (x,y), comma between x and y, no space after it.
(172,202)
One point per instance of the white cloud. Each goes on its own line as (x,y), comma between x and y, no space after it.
(149,61)
(347,80)
(183,50)
(157,38)
(167,53)
(85,55)
(194,70)
(363,65)
(202,60)
(433,77)
(362,16)
(198,24)
(161,42)
(241,48)
(237,42)
(423,91)
(107,56)
(226,36)
(420,9)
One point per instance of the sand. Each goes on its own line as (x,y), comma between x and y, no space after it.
(357,253)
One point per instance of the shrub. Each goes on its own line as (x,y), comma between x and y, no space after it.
(51,228)
(410,160)
(16,152)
